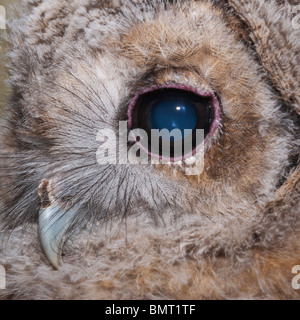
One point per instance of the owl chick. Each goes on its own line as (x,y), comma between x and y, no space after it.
(101,199)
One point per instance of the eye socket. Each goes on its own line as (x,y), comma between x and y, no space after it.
(174,107)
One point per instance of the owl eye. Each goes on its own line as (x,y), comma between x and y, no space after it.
(175,116)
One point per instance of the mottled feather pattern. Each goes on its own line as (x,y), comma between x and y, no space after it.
(150,231)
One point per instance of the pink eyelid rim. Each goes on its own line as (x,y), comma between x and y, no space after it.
(213,127)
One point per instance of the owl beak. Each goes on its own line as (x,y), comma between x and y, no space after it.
(54,221)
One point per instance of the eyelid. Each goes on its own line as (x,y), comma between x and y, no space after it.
(206,94)
(179,86)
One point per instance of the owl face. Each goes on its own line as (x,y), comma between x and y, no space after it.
(86,67)
(86,79)
(92,67)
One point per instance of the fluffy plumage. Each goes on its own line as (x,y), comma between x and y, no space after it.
(149,231)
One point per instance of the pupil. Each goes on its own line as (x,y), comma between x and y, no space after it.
(172,113)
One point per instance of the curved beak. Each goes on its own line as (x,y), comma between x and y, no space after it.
(54,221)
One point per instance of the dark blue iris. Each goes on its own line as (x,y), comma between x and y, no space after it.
(173,114)
(172,109)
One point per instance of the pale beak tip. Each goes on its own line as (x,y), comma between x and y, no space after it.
(54,221)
